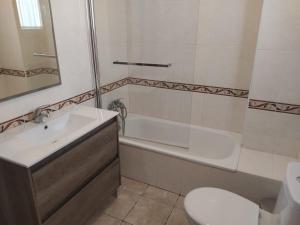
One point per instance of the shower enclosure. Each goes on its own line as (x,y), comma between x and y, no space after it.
(182,61)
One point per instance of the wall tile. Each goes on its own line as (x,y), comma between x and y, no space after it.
(120,93)
(181,56)
(108,53)
(222,112)
(156,21)
(272,132)
(276,76)
(227,23)
(111,21)
(280,25)
(161,103)
(224,66)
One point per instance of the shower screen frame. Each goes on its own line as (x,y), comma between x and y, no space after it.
(94,52)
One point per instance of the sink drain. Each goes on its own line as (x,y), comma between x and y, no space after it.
(298,179)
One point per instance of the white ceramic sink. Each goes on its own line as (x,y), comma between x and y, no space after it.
(54,130)
(32,143)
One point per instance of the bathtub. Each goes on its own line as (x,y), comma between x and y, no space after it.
(197,144)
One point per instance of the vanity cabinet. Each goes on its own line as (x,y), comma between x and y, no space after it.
(65,188)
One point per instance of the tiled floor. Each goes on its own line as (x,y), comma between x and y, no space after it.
(140,204)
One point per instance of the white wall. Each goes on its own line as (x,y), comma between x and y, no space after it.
(70,25)
(276,78)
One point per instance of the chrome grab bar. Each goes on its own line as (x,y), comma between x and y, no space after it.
(142,64)
(44,55)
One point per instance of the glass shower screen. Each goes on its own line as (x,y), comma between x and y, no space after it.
(152,44)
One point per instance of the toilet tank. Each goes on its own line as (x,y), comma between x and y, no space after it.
(287,209)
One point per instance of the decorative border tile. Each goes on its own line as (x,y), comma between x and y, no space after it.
(52,108)
(112,86)
(28,73)
(274,106)
(38,71)
(239,93)
(78,99)
(10,72)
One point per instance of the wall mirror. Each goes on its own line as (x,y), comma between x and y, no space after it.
(28,59)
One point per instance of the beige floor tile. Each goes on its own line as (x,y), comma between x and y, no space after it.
(149,212)
(133,186)
(177,218)
(180,203)
(160,196)
(119,207)
(106,220)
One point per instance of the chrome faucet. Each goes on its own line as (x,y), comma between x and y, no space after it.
(40,113)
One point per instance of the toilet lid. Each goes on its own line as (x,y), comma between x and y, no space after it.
(212,206)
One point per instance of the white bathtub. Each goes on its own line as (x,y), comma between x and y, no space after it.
(207,146)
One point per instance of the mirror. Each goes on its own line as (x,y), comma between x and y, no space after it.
(28,59)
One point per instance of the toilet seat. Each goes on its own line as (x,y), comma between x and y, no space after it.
(212,206)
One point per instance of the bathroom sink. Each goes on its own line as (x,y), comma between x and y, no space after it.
(54,130)
(31,143)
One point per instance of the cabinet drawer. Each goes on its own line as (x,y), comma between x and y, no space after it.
(89,200)
(61,178)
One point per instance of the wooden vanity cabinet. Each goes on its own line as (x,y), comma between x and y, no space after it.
(67,187)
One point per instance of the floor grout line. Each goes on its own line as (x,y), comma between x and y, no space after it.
(169,216)
(123,220)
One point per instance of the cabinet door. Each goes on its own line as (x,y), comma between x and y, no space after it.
(61,178)
(89,200)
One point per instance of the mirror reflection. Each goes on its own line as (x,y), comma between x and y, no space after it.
(28,59)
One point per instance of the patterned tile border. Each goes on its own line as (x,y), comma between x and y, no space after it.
(28,73)
(239,93)
(253,104)
(274,106)
(38,71)
(10,72)
(112,86)
(52,108)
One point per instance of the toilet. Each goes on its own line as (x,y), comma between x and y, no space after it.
(213,206)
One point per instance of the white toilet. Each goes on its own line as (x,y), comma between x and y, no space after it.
(213,206)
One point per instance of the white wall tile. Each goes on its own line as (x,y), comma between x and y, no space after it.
(161,103)
(280,25)
(276,76)
(224,66)
(120,93)
(156,21)
(222,112)
(111,21)
(108,53)
(272,132)
(111,27)
(182,58)
(227,23)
